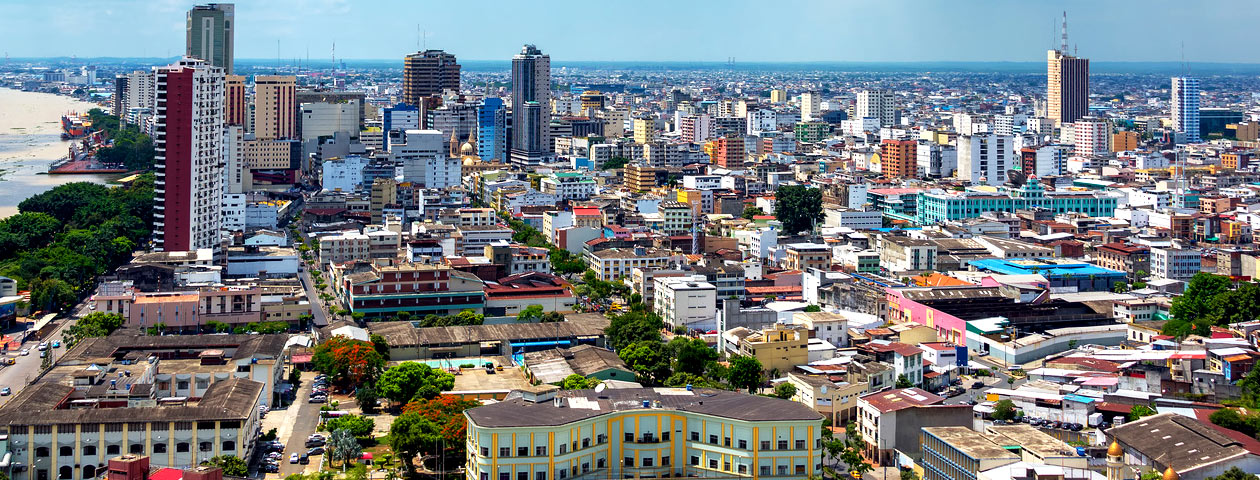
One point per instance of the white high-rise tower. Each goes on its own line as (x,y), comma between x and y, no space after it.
(1185,107)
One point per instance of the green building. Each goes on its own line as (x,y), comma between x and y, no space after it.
(938,206)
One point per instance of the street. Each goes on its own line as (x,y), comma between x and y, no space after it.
(312,295)
(20,374)
(303,421)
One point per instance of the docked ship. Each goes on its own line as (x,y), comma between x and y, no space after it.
(74,125)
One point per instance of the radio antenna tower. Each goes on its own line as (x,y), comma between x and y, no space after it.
(1063,32)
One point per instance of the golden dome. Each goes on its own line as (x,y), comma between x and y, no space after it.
(1171,474)
(467,149)
(1114,450)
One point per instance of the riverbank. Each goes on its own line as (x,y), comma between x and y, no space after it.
(30,141)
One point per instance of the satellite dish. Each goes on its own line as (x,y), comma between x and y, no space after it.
(1015,177)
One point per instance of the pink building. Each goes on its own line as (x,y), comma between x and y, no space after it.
(902,308)
(173,309)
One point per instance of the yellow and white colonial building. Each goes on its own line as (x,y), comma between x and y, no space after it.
(542,433)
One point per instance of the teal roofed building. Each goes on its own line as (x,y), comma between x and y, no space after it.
(939,206)
(1063,275)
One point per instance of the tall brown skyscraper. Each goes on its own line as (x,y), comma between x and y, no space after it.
(275,107)
(428,73)
(1067,83)
(234,105)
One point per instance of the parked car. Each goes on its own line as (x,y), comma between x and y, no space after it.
(976,385)
(317,400)
(42,346)
(304,459)
(24,352)
(272,468)
(6,391)
(315,451)
(1014,368)
(56,344)
(293,457)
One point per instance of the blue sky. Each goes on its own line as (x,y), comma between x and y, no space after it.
(653,30)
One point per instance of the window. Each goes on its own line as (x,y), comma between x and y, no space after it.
(505,476)
(800,444)
(65,473)
(562,474)
(800,469)
(782,469)
(665,436)
(89,471)
(41,451)
(522,451)
(765,470)
(695,436)
(743,444)
(713,463)
(541,450)
(765,444)
(113,449)
(628,461)
(65,451)
(713,439)
(485,476)
(540,475)
(601,439)
(182,385)
(204,446)
(695,460)
(586,442)
(600,463)
(485,451)
(783,445)
(229,445)
(505,451)
(89,450)
(136,449)
(564,447)
(182,447)
(159,448)
(647,461)
(522,475)
(726,466)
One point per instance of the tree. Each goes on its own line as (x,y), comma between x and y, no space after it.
(295,377)
(347,361)
(903,382)
(1004,410)
(1194,303)
(909,475)
(632,327)
(1250,386)
(447,413)
(552,317)
(1139,411)
(1235,473)
(578,382)
(95,324)
(410,434)
(366,397)
(232,465)
(380,345)
(852,453)
(744,373)
(798,207)
(410,380)
(751,211)
(785,390)
(1120,287)
(357,425)
(691,355)
(648,359)
(530,314)
(812,308)
(343,446)
(615,163)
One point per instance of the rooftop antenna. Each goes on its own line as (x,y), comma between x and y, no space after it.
(334,55)
(1063,40)
(418,35)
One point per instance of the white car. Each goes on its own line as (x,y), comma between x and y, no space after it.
(25,352)
(42,346)
(293,458)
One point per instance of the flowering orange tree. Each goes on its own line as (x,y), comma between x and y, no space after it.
(347,361)
(446,411)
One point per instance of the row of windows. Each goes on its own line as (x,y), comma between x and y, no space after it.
(136,448)
(69,428)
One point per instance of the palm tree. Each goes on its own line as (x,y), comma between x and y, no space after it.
(344,447)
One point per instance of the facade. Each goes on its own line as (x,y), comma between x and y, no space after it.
(938,206)
(686,301)
(899,158)
(189,144)
(904,254)
(1185,107)
(727,152)
(1092,135)
(1067,84)
(779,348)
(568,185)
(877,104)
(343,247)
(428,74)
(609,264)
(890,420)
(210,34)
(275,110)
(418,289)
(424,162)
(545,434)
(803,256)
(531,90)
(983,159)
(1175,263)
(491,129)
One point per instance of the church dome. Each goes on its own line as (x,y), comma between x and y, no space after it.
(1114,450)
(1171,474)
(467,149)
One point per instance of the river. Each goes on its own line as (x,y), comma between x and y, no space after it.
(30,140)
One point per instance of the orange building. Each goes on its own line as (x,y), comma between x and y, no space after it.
(1235,160)
(1124,141)
(726,152)
(234,107)
(897,158)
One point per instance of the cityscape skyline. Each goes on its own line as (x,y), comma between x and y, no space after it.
(1102,32)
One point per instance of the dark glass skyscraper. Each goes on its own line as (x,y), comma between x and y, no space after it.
(531,105)
(210,35)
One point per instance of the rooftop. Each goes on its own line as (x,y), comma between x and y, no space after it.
(900,399)
(577,405)
(1178,442)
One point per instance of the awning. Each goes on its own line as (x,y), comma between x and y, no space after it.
(302,358)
